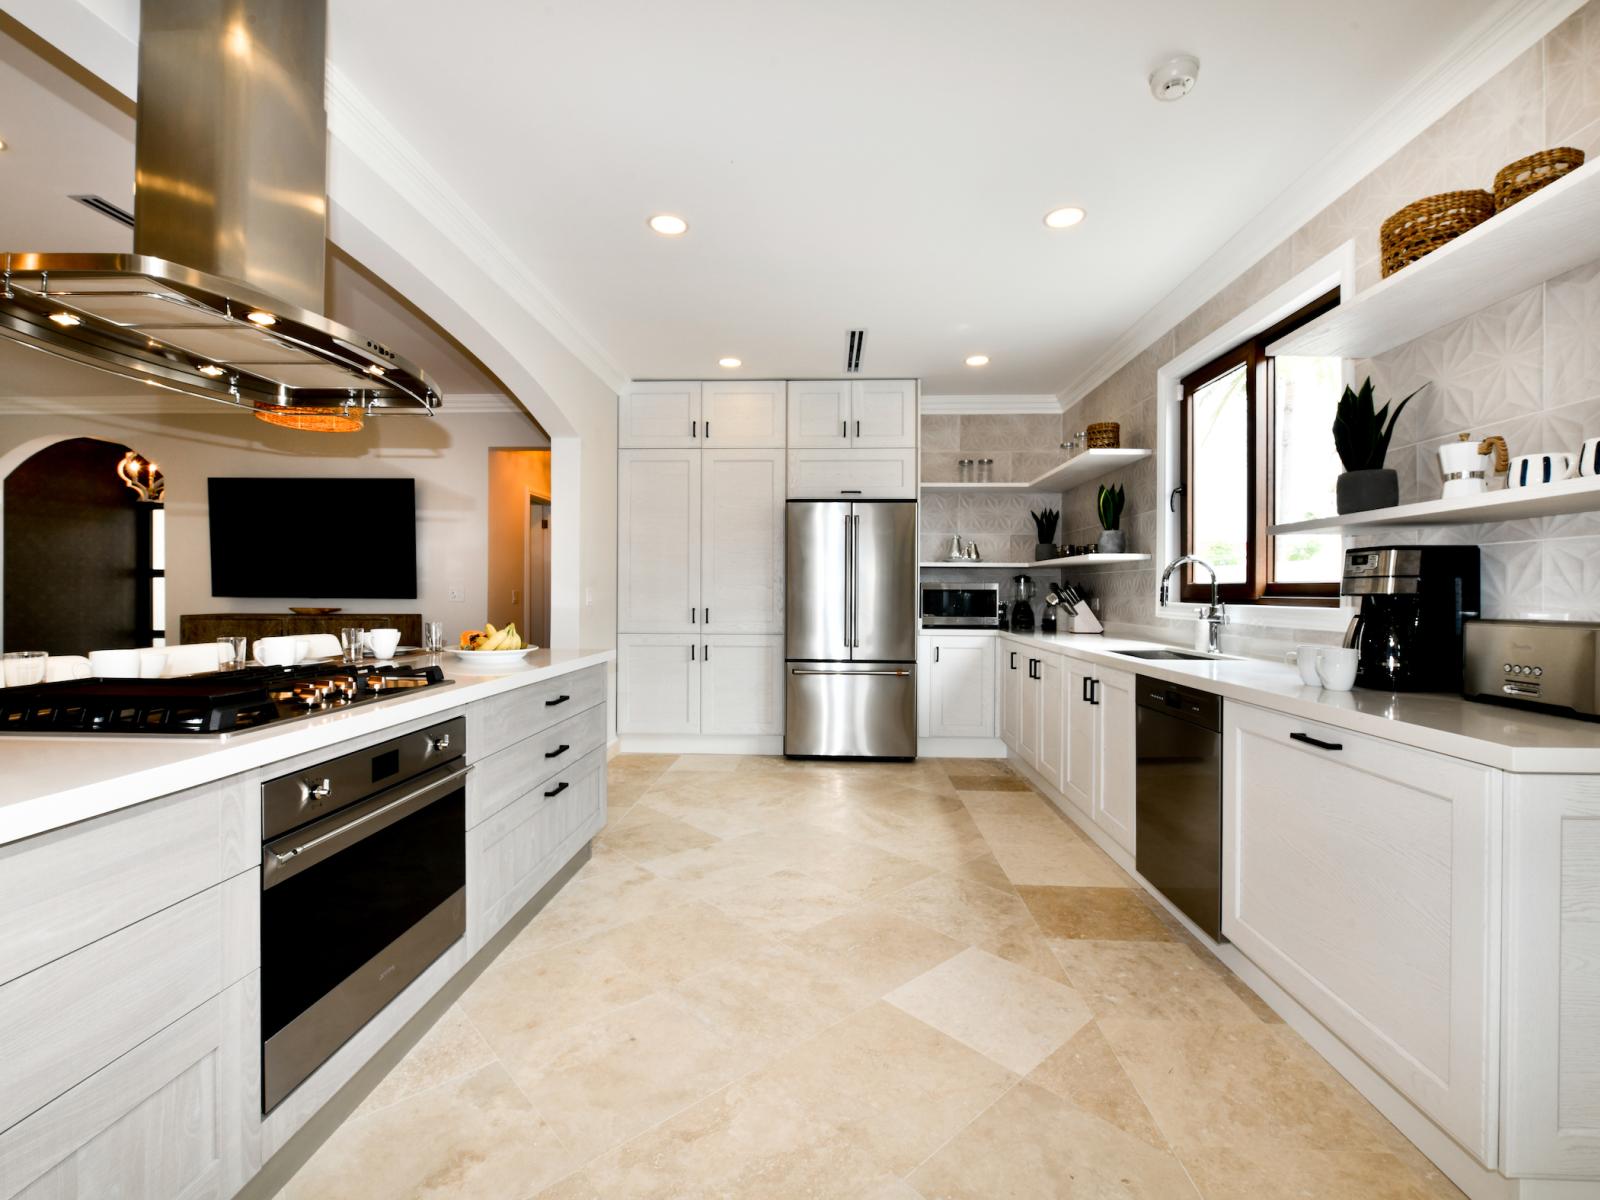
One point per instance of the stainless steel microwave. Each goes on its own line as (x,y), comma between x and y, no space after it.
(976,604)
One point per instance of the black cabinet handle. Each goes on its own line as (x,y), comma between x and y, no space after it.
(858,428)
(694,427)
(708,431)
(844,429)
(936,654)
(1318,743)
(558,751)
(1013,660)
(558,789)
(708,616)
(1094,691)
(694,615)
(556,701)
(705,655)
(691,651)
(1085,690)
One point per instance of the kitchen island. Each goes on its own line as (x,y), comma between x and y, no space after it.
(132,1017)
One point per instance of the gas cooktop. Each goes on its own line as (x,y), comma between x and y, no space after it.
(218,702)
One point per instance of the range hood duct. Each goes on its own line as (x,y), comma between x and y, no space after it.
(222,295)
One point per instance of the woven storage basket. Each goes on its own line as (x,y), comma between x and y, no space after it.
(1422,226)
(1521,179)
(1103,435)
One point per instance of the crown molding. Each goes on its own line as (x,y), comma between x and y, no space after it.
(973,405)
(372,138)
(1485,49)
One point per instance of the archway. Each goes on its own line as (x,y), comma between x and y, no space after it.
(82,531)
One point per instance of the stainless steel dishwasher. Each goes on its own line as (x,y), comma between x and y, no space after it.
(1179,798)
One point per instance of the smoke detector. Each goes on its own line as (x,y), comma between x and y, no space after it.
(1174,79)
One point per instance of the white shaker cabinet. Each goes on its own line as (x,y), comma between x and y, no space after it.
(1112,695)
(658,683)
(956,680)
(658,524)
(883,414)
(1049,682)
(741,688)
(1080,739)
(741,541)
(819,414)
(1359,877)
(853,474)
(744,415)
(659,416)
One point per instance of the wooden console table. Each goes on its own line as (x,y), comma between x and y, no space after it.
(207,627)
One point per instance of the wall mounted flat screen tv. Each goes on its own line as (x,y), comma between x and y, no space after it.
(314,537)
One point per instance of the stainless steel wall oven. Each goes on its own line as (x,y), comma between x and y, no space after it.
(363,885)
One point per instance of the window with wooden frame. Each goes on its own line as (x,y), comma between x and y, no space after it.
(1257,451)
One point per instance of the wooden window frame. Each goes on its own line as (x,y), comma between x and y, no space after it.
(1261,496)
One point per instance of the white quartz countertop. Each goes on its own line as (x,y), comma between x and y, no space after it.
(50,781)
(1491,734)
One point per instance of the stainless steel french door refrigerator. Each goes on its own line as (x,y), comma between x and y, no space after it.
(851,637)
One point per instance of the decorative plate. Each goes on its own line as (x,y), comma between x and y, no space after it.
(491,658)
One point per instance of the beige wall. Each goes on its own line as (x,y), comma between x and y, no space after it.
(448,456)
(514,476)
(1526,368)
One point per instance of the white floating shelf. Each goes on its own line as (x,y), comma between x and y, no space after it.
(1549,233)
(1507,504)
(1080,468)
(1076,560)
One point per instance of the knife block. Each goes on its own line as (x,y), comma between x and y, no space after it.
(1082,621)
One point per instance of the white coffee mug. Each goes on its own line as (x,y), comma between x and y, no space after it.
(1336,668)
(383,642)
(1530,470)
(114,664)
(279,651)
(1304,656)
(1589,458)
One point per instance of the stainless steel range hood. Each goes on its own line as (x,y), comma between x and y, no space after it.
(222,293)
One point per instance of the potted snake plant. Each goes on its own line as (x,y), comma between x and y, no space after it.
(1108,506)
(1361,435)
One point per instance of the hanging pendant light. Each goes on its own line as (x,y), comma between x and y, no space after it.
(142,476)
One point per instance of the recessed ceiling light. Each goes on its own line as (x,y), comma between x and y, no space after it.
(3,145)
(730,363)
(1063,218)
(66,320)
(668,225)
(211,371)
(260,318)
(977,360)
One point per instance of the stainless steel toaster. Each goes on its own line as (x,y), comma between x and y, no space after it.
(1549,665)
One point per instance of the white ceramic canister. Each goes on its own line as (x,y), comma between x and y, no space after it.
(1466,464)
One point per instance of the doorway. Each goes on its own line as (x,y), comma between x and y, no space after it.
(537,586)
(83,549)
(518,566)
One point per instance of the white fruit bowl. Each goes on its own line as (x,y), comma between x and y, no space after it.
(491,659)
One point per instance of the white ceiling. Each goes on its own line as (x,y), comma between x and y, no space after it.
(881,164)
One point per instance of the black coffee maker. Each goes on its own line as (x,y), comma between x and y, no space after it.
(1414,600)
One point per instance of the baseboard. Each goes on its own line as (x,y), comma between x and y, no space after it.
(948,747)
(700,743)
(1466,1172)
(613,748)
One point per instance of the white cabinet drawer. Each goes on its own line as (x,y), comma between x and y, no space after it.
(498,722)
(501,777)
(853,474)
(65,889)
(1358,876)
(66,1020)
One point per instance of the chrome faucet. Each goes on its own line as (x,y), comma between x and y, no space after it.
(1215,615)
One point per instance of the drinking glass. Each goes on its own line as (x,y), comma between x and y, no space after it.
(231,653)
(353,641)
(22,667)
(433,636)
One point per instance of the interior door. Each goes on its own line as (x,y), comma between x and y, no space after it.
(883,413)
(658,518)
(815,580)
(883,621)
(744,415)
(742,518)
(819,414)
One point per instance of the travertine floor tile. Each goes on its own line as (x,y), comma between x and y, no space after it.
(1085,1073)
(1102,914)
(1032,1145)
(960,908)
(1148,981)
(669,946)
(451,1049)
(1269,1173)
(644,834)
(1001,1010)
(1052,860)
(474,1138)
(611,890)
(877,949)
(989,783)
(1239,1084)
(705,762)
(775,901)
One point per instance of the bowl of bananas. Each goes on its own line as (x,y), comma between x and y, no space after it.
(491,647)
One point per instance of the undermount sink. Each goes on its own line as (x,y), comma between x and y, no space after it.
(1165,655)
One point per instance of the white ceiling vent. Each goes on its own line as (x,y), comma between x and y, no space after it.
(852,353)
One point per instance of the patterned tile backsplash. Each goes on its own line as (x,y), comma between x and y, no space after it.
(1527,368)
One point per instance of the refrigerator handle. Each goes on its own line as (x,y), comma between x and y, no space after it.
(855,581)
(849,583)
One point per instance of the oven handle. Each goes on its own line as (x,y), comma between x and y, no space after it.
(276,864)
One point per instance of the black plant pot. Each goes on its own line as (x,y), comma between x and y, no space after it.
(1362,491)
(1113,541)
(1043,550)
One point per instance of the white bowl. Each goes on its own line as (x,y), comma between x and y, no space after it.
(492,658)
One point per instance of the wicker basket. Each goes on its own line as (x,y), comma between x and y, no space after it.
(1103,435)
(1422,226)
(1523,178)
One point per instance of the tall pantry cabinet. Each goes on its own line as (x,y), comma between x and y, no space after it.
(700,521)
